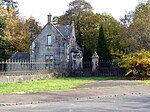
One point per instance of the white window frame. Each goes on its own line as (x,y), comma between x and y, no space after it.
(49,40)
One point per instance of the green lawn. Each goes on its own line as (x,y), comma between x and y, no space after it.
(147,82)
(57,84)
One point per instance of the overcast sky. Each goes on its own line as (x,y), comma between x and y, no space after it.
(41,8)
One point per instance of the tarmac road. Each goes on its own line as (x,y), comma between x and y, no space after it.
(139,103)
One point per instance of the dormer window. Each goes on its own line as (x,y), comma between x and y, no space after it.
(49,40)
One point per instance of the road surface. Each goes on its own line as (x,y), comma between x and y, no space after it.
(139,103)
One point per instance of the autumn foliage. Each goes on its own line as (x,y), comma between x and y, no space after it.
(14,30)
(137,64)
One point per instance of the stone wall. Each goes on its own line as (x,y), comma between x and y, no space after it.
(30,77)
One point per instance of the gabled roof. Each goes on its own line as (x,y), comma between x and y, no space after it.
(20,56)
(66,30)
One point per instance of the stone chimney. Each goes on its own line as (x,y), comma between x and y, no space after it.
(49,18)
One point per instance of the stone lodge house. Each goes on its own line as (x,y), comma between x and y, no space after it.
(56,46)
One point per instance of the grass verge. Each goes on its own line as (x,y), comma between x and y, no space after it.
(147,82)
(57,84)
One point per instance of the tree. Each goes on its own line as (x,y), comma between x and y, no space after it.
(87,26)
(4,49)
(4,44)
(141,25)
(77,9)
(89,31)
(136,64)
(6,4)
(32,26)
(102,48)
(15,36)
(2,26)
(112,28)
(135,34)
(79,6)
(15,32)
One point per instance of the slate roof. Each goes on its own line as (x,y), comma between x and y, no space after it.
(65,30)
(20,56)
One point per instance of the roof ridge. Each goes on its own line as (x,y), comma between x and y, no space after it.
(58,31)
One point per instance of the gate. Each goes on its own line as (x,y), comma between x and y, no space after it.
(87,65)
(107,68)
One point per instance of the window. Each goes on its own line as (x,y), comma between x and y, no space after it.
(49,40)
(49,62)
(36,49)
(49,58)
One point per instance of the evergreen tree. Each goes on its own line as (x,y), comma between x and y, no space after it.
(102,48)
(4,44)
(5,48)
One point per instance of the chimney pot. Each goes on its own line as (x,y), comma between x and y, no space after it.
(49,18)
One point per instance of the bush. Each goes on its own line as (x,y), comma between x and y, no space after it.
(137,64)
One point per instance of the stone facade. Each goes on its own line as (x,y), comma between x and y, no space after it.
(54,45)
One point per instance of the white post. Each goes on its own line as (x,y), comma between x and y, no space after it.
(95,59)
(2,65)
(7,65)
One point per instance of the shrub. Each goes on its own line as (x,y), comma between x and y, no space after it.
(137,64)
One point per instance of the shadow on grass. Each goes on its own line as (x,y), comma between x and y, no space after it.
(101,78)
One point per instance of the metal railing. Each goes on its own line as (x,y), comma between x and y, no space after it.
(26,67)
